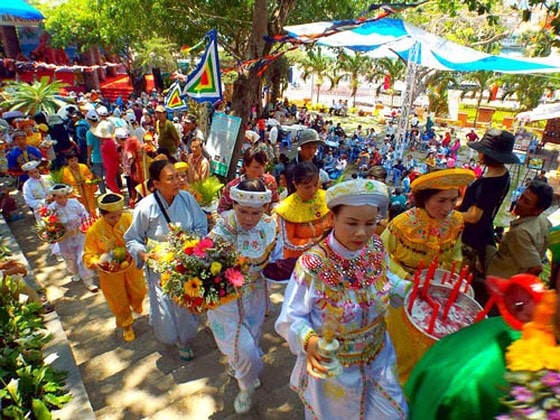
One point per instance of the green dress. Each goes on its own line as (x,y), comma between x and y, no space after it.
(462,375)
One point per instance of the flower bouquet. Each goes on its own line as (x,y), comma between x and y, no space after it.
(199,273)
(533,364)
(115,261)
(49,228)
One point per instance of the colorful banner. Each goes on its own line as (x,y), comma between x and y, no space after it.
(221,142)
(173,100)
(204,83)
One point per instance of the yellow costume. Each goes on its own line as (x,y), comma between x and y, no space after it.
(123,290)
(414,236)
(80,181)
(302,223)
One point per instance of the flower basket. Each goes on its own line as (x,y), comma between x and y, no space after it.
(199,273)
(49,228)
(116,261)
(56,234)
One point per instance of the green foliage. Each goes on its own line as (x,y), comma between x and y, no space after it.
(205,191)
(32,98)
(29,388)
(354,65)
(528,89)
(156,53)
(321,67)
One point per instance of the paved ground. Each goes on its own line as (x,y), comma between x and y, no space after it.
(145,378)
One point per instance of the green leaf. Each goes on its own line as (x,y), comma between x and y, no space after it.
(40,410)
(13,390)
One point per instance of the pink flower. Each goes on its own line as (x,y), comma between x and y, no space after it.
(551,379)
(235,277)
(522,394)
(202,246)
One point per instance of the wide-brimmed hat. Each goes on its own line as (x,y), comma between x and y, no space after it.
(309,136)
(92,115)
(161,108)
(446,179)
(497,144)
(103,130)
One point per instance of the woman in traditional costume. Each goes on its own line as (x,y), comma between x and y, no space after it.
(342,287)
(71,212)
(124,290)
(81,179)
(431,230)
(171,323)
(254,167)
(237,325)
(303,216)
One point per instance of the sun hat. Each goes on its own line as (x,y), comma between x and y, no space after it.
(102,111)
(112,206)
(446,179)
(160,108)
(359,192)
(496,144)
(28,166)
(103,130)
(60,189)
(309,136)
(130,117)
(92,115)
(122,133)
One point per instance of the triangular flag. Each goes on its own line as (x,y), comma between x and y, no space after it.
(173,100)
(204,83)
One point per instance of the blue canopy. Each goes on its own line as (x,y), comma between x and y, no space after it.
(19,13)
(390,37)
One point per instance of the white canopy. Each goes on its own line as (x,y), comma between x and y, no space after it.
(542,112)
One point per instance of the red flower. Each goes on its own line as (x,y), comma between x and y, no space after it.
(217,280)
(235,277)
(189,251)
(181,268)
(222,292)
(202,246)
(52,219)
(198,301)
(43,211)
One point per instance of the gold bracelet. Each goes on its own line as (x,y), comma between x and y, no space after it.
(306,339)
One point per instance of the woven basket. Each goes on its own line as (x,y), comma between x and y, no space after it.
(52,240)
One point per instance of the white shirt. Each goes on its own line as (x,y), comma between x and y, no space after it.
(273,135)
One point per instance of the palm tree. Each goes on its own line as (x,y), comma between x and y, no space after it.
(437,84)
(482,81)
(396,68)
(41,95)
(320,66)
(156,54)
(355,65)
(527,88)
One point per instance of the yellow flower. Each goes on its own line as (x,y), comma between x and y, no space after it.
(165,278)
(215,268)
(193,287)
(191,243)
(167,257)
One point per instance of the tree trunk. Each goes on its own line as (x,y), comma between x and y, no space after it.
(158,80)
(247,88)
(10,41)
(91,78)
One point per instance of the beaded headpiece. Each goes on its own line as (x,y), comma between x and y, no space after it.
(445,179)
(250,198)
(32,164)
(113,206)
(60,189)
(359,192)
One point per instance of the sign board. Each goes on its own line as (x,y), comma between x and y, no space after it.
(535,163)
(522,156)
(522,140)
(221,142)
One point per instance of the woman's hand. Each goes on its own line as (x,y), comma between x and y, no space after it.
(314,359)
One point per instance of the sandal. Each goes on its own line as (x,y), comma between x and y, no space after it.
(243,402)
(186,354)
(128,334)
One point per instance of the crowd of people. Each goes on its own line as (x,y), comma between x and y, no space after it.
(344,219)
